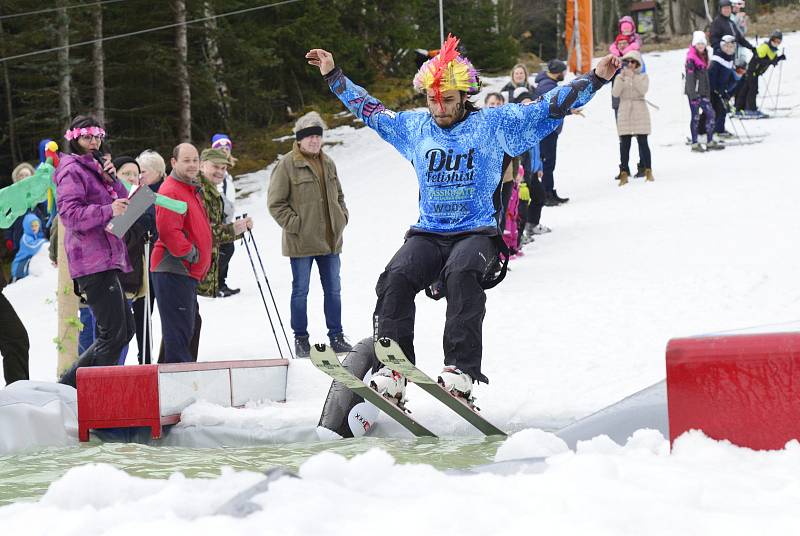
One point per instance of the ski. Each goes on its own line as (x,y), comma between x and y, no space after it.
(324,359)
(390,354)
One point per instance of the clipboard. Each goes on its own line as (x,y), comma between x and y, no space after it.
(139,201)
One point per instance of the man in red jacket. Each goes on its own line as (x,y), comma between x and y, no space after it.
(181,256)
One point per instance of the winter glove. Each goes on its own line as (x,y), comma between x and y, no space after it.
(782,57)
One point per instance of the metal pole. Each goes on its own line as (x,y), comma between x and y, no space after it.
(780,79)
(147,326)
(441,22)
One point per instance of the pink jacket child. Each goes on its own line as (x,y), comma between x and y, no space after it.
(510,233)
(627,32)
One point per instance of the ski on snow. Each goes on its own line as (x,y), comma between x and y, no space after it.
(323,357)
(390,354)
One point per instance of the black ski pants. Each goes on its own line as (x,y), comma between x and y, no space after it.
(115,325)
(536,204)
(747,93)
(140,318)
(226,251)
(625,151)
(505,193)
(14,343)
(548,148)
(460,263)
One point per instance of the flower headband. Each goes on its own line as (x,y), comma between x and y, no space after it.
(85,131)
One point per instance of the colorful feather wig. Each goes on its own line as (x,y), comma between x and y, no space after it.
(448,70)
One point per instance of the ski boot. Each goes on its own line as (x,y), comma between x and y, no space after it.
(458,384)
(390,384)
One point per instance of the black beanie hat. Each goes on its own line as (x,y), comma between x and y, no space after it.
(556,66)
(122,160)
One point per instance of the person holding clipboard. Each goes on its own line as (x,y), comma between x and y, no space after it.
(89,195)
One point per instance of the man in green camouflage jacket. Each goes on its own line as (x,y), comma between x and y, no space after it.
(213,165)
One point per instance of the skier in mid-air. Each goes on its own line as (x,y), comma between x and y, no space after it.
(457,151)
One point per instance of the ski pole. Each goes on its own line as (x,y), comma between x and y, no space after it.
(766,93)
(147,326)
(263,299)
(778,93)
(269,289)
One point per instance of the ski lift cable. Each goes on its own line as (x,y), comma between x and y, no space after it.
(148,30)
(51,9)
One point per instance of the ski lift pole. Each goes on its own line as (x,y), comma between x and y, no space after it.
(263,299)
(269,289)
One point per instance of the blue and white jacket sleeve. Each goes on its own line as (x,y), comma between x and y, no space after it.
(393,127)
(521,126)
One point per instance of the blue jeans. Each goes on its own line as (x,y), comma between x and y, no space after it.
(328,266)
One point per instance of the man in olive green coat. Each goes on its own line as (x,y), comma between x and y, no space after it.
(305,198)
(213,165)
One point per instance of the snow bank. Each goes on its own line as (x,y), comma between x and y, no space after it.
(704,487)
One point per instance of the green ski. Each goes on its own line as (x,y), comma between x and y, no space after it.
(390,354)
(323,357)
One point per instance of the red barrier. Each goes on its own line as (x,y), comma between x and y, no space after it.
(155,395)
(743,388)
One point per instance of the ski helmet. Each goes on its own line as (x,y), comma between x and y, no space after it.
(777,34)
(448,70)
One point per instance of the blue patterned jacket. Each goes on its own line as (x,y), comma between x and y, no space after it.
(459,168)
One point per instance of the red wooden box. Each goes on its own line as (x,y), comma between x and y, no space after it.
(743,388)
(155,395)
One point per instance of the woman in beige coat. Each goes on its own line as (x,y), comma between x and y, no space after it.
(633,117)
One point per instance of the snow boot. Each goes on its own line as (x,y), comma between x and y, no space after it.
(340,345)
(560,200)
(550,200)
(714,145)
(225,291)
(456,382)
(302,348)
(623,178)
(540,229)
(648,175)
(698,147)
(390,384)
(640,171)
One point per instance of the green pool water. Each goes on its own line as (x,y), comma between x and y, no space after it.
(27,476)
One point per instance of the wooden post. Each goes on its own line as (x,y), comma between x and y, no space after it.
(68,323)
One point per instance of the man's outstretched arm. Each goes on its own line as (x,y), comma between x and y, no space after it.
(390,126)
(524,126)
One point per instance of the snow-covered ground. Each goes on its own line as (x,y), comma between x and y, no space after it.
(580,322)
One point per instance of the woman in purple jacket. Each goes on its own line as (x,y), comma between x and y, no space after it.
(89,195)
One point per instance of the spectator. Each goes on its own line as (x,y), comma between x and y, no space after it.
(136,283)
(213,169)
(698,91)
(22,171)
(723,25)
(88,197)
(226,249)
(723,81)
(13,235)
(520,78)
(627,33)
(765,55)
(181,257)
(14,343)
(493,100)
(153,171)
(546,81)
(633,118)
(305,198)
(533,197)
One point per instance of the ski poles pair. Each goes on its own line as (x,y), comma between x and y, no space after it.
(247,239)
(733,117)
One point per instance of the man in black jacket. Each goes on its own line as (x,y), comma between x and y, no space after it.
(723,25)
(14,344)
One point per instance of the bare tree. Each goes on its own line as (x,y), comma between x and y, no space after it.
(184,91)
(217,65)
(98,58)
(64,70)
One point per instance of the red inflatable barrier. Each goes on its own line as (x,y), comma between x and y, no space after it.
(743,388)
(155,395)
